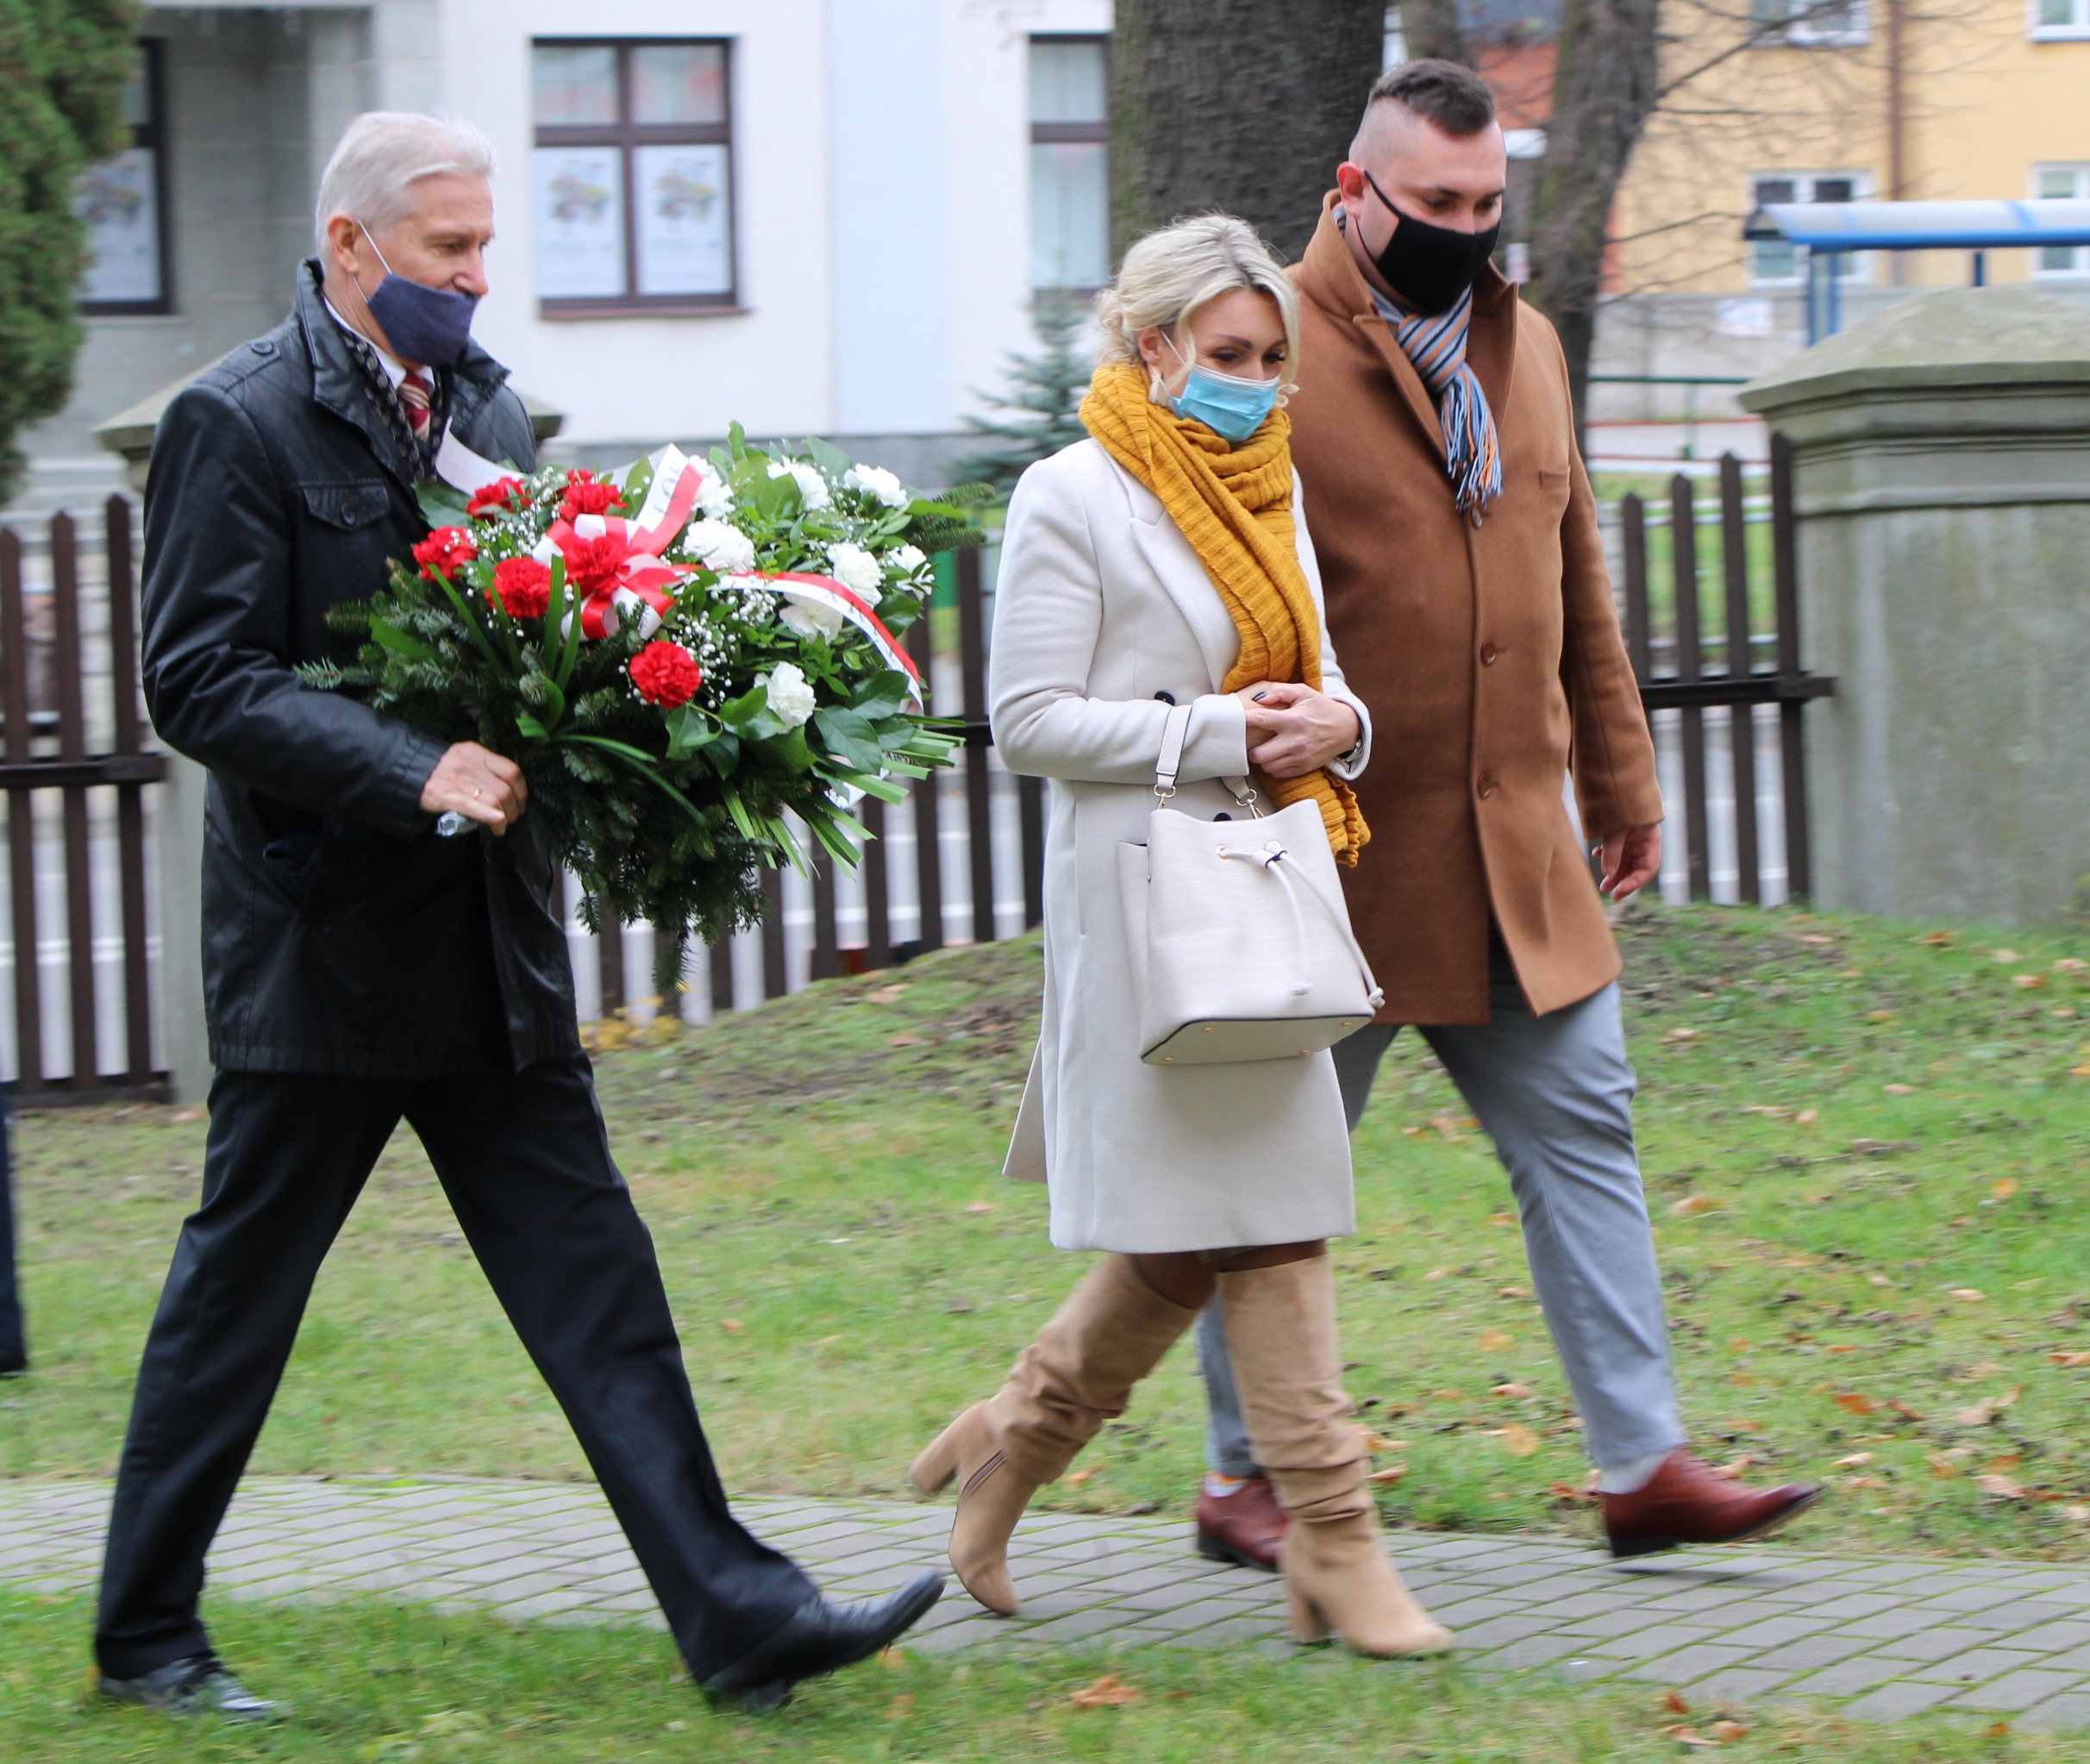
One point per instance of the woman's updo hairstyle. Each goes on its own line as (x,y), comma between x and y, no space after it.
(1170,273)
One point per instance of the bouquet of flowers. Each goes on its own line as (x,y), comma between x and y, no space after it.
(676,657)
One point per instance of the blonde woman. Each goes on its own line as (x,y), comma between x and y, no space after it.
(1163,561)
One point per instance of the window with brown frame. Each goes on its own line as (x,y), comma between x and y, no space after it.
(632,176)
(124,204)
(1070,162)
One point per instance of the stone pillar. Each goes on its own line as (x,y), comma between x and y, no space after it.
(1942,474)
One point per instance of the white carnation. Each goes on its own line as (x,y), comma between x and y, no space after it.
(812,487)
(791,695)
(809,617)
(714,494)
(875,480)
(855,568)
(719,546)
(909,560)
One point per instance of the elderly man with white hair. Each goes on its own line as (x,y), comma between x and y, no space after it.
(360,971)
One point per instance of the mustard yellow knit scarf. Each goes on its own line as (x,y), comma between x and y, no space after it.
(1233,505)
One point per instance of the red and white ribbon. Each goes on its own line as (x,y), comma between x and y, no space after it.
(643,578)
(825,591)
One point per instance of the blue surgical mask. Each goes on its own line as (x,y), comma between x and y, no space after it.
(429,326)
(1231,407)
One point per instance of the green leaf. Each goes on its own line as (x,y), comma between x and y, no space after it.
(790,750)
(637,482)
(723,753)
(689,728)
(737,713)
(829,458)
(530,726)
(392,638)
(848,737)
(441,505)
(881,696)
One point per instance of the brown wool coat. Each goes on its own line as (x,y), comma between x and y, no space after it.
(1491,657)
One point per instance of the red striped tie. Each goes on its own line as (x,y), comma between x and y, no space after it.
(414,391)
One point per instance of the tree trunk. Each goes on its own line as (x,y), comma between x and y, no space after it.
(1429,30)
(1239,105)
(1604,89)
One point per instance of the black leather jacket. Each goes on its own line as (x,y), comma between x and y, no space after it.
(340,935)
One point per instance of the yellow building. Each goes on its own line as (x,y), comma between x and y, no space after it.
(1834,101)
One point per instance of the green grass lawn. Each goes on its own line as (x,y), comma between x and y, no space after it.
(1865,1151)
(388,1685)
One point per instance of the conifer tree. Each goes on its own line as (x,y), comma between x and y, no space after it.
(1043,399)
(62,66)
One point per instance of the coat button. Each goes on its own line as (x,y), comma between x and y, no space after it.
(1488,653)
(1487,788)
(1166,697)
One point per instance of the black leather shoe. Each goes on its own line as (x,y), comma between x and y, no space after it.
(198,1685)
(819,1637)
(13,1362)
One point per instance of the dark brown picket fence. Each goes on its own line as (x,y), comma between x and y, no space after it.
(45,681)
(1677,635)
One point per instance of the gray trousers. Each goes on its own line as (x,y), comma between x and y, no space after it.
(1555,1094)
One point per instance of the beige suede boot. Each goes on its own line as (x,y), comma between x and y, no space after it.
(1077,1374)
(1280,1332)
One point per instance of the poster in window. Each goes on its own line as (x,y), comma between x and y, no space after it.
(580,222)
(685,220)
(119,201)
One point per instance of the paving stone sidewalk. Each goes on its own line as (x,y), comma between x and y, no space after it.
(1886,1638)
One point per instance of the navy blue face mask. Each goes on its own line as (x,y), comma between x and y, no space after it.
(428,326)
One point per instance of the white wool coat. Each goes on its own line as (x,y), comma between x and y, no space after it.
(1101,607)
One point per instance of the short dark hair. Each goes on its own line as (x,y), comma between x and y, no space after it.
(1450,95)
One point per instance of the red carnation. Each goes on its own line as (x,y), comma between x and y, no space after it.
(584,496)
(591,564)
(524,586)
(504,495)
(666,674)
(446,549)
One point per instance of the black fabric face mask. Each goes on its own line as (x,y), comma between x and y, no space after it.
(1429,266)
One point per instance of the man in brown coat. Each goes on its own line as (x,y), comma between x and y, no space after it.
(1467,595)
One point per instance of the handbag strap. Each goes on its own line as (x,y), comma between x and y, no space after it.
(1175,732)
(1278,863)
(1175,735)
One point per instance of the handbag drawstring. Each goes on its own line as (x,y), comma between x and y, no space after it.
(1274,858)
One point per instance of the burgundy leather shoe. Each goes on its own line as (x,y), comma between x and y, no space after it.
(1246,1528)
(1687,1501)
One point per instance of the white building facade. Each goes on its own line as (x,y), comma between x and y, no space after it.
(809,217)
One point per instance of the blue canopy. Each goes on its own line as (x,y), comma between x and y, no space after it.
(1924,225)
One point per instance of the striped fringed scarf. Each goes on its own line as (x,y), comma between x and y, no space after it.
(1435,344)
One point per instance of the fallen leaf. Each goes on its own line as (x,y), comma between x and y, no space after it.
(1689,1735)
(1939,940)
(1518,1441)
(1817,939)
(904,1041)
(1855,1402)
(1863,1482)
(893,1659)
(1392,1473)
(733,1326)
(1496,1341)
(1967,1295)
(1437,1273)
(1996,1730)
(187,1115)
(2001,1487)
(1380,1442)
(1674,1703)
(980,1206)
(1693,1203)
(886,995)
(1807,1117)
(1727,1732)
(900,1707)
(1905,1412)
(1449,1396)
(2070,1359)
(1109,1691)
(1681,1034)
(1078,1477)
(1983,1413)
(1899,1089)
(2004,1187)
(2005,956)
(2002,1463)
(2072,965)
(1568,1492)
(1853,1460)
(1502,1218)
(1943,1465)
(1732,1470)
(1880,1016)
(1518,1391)
(2075,1515)
(2029,982)
(1513,1293)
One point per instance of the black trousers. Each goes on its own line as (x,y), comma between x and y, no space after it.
(14,1349)
(525,1162)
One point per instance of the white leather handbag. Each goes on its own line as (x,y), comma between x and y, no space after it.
(1241,948)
